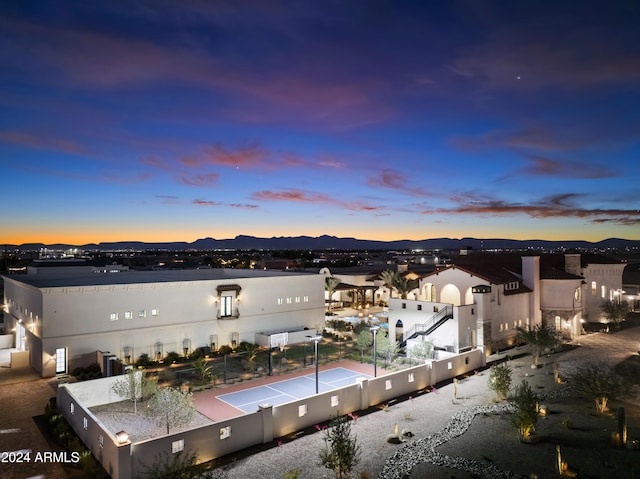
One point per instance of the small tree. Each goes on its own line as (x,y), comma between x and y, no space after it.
(364,341)
(539,337)
(386,348)
(341,452)
(134,386)
(599,382)
(525,416)
(500,380)
(171,408)
(422,350)
(615,311)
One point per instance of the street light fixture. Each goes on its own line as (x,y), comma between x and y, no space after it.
(316,339)
(374,330)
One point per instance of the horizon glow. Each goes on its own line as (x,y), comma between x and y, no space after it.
(162,122)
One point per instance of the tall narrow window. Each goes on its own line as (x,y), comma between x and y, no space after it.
(225,306)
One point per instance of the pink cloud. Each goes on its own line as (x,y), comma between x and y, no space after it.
(557,206)
(301,196)
(394,180)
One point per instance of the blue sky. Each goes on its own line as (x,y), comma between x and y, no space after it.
(159,120)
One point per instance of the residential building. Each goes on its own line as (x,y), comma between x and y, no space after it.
(65,319)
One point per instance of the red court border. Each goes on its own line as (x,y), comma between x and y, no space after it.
(208,404)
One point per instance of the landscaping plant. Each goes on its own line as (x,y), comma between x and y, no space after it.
(341,452)
(500,380)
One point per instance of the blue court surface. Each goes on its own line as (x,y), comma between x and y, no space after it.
(291,389)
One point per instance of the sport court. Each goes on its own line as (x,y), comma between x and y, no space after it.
(288,390)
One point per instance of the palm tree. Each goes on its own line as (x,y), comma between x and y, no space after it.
(330,285)
(404,286)
(390,278)
(539,337)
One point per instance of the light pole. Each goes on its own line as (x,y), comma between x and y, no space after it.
(374,330)
(316,339)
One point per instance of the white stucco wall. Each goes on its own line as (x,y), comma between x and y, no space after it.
(78,317)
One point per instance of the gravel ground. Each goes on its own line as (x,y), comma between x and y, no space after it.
(490,440)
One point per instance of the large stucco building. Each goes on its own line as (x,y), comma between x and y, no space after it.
(480,299)
(65,317)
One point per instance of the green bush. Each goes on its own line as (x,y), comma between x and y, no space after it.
(500,380)
(525,416)
(172,357)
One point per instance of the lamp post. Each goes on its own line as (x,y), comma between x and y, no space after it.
(316,339)
(374,330)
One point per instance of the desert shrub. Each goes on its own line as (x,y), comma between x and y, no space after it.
(525,416)
(144,361)
(500,380)
(341,451)
(599,382)
(224,350)
(172,357)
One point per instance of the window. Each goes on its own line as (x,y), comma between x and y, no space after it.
(302,410)
(226,306)
(128,315)
(576,294)
(280,301)
(603,291)
(387,384)
(288,300)
(335,401)
(305,299)
(225,432)
(473,311)
(113,316)
(594,288)
(419,307)
(101,440)
(511,286)
(72,408)
(155,312)
(142,313)
(85,423)
(410,378)
(449,365)
(404,305)
(177,446)
(297,299)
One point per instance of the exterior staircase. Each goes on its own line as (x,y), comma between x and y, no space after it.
(427,328)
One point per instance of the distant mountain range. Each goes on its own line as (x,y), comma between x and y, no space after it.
(326,242)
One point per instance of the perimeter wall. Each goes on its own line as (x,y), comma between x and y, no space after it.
(224,437)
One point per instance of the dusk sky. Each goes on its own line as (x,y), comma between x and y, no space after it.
(159,120)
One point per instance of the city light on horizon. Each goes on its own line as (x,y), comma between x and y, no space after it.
(177,123)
